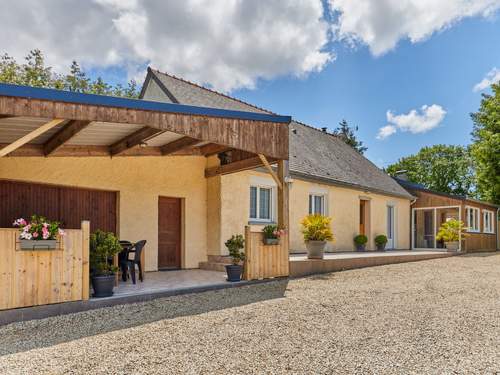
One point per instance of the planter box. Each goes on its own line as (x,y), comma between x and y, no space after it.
(452,246)
(271,241)
(38,244)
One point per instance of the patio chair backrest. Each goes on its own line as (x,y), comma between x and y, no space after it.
(138,249)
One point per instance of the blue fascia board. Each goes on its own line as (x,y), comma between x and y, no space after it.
(113,101)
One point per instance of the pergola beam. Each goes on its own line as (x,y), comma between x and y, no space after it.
(237,166)
(271,171)
(30,136)
(69,130)
(213,149)
(134,139)
(178,145)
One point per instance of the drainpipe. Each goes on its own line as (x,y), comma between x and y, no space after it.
(412,202)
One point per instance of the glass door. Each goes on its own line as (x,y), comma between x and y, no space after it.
(390,227)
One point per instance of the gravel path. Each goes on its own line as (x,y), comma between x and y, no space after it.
(438,316)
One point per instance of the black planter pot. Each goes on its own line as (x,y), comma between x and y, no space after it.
(103,285)
(360,247)
(381,247)
(234,272)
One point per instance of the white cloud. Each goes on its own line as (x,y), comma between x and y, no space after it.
(380,24)
(386,131)
(416,121)
(225,44)
(493,76)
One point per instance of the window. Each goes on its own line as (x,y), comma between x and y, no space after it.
(317,204)
(488,222)
(261,203)
(472,214)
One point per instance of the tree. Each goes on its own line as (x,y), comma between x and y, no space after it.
(448,169)
(34,73)
(486,146)
(347,134)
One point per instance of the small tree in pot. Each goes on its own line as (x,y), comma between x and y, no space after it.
(235,244)
(381,241)
(360,241)
(316,230)
(450,232)
(103,247)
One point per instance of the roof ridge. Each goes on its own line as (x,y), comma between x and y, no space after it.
(211,90)
(315,128)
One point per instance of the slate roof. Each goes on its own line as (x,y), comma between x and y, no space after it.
(314,154)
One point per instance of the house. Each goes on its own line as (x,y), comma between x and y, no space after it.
(325,176)
(431,208)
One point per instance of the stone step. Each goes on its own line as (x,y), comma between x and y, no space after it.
(219,259)
(212,266)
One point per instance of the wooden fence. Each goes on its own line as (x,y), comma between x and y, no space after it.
(41,277)
(264,261)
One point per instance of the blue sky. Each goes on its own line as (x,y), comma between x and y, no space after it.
(406,66)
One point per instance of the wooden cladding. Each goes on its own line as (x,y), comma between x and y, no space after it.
(30,278)
(260,137)
(66,204)
(265,261)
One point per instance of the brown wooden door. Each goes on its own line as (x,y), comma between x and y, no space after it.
(169,233)
(362,217)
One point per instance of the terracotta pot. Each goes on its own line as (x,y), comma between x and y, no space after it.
(315,249)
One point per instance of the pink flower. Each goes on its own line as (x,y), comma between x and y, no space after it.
(61,232)
(45,233)
(35,234)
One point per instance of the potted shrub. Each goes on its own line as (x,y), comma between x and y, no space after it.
(316,231)
(450,232)
(38,233)
(235,245)
(360,240)
(103,247)
(272,234)
(381,241)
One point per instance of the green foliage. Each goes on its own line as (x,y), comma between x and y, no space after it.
(451,231)
(448,169)
(347,134)
(235,244)
(486,146)
(360,239)
(34,73)
(317,228)
(103,247)
(380,240)
(272,231)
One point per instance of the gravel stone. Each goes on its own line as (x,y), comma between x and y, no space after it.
(432,317)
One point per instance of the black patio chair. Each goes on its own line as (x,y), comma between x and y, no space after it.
(137,250)
(123,258)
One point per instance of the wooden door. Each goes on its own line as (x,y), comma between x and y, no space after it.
(169,233)
(362,217)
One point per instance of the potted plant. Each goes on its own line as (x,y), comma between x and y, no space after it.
(450,232)
(38,233)
(316,230)
(360,240)
(381,241)
(272,234)
(235,244)
(103,247)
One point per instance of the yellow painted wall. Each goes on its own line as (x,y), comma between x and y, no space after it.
(342,206)
(139,181)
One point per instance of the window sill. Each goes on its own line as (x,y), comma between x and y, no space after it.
(261,222)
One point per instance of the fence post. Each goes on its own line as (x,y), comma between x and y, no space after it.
(247,264)
(85,259)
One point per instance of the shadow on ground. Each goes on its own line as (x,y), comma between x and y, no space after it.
(24,336)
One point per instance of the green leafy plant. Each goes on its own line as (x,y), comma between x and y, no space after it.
(317,228)
(103,247)
(451,231)
(235,244)
(272,231)
(380,240)
(360,239)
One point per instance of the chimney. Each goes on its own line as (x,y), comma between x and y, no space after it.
(402,174)
(324,129)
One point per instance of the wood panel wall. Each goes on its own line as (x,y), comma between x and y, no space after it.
(264,261)
(30,278)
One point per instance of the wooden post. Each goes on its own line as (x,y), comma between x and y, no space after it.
(85,259)
(248,254)
(283,211)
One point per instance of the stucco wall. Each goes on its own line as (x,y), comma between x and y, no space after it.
(342,206)
(139,181)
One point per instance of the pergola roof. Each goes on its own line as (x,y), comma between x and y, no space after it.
(96,125)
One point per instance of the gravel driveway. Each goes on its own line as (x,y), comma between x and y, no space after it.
(438,316)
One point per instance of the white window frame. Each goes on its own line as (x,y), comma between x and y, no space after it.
(475,226)
(272,203)
(491,221)
(311,200)
(434,210)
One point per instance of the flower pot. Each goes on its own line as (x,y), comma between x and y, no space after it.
(361,247)
(451,246)
(381,247)
(103,285)
(234,272)
(38,244)
(315,249)
(271,241)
